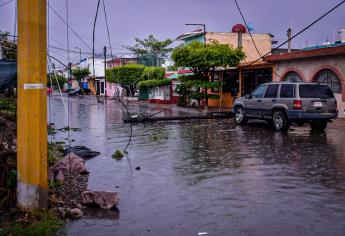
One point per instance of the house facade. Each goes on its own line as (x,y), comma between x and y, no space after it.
(233,78)
(96,79)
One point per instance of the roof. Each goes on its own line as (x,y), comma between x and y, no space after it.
(319,52)
(249,64)
(190,34)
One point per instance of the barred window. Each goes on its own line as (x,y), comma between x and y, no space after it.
(330,78)
(292,77)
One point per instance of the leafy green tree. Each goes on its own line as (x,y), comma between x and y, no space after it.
(55,81)
(8,48)
(153,73)
(203,60)
(128,76)
(80,74)
(151,47)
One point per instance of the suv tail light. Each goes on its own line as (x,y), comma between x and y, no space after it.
(297,104)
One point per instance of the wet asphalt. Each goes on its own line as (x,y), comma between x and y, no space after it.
(207,177)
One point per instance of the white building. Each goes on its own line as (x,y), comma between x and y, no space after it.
(97,72)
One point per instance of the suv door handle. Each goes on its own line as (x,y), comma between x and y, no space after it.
(259,100)
(274,100)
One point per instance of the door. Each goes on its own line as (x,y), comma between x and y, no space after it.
(102,91)
(98,87)
(254,104)
(269,99)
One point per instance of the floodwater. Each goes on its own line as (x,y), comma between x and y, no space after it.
(208,177)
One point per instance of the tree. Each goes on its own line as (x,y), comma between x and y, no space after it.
(55,81)
(150,47)
(8,48)
(128,76)
(203,60)
(80,74)
(152,73)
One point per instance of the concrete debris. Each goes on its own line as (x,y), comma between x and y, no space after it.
(104,200)
(71,163)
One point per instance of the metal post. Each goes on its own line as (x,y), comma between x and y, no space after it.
(239,39)
(289,34)
(105,70)
(32,185)
(204,34)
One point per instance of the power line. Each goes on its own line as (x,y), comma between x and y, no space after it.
(300,32)
(93,39)
(67,35)
(73,31)
(245,23)
(6,3)
(250,34)
(106,21)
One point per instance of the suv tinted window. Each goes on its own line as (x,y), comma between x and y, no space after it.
(259,91)
(315,91)
(272,91)
(287,90)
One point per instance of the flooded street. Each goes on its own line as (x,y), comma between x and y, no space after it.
(208,176)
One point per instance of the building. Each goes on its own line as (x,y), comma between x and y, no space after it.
(324,64)
(96,79)
(238,80)
(262,41)
(120,61)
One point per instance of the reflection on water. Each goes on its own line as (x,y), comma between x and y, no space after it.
(209,176)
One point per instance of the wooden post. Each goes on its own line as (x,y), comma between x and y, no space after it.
(32,186)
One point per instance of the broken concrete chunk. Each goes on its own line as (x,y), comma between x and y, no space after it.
(70,163)
(104,200)
(75,213)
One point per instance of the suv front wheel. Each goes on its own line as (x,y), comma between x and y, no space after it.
(280,121)
(240,117)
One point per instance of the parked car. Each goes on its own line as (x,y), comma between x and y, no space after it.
(284,103)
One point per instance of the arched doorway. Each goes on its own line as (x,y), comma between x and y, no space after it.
(292,76)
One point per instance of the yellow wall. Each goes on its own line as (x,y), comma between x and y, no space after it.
(262,41)
(91,83)
(226,99)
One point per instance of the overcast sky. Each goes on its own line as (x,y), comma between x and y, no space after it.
(167,19)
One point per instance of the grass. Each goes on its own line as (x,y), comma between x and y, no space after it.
(44,223)
(117,155)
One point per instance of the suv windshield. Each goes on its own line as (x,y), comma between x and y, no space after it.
(315,91)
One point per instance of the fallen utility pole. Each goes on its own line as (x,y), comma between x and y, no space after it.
(210,115)
(32,185)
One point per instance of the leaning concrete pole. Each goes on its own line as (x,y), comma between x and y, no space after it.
(32,187)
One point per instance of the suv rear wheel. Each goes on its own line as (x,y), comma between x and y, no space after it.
(240,117)
(280,121)
(318,125)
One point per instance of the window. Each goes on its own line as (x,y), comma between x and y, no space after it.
(315,91)
(287,90)
(259,92)
(272,91)
(292,77)
(330,78)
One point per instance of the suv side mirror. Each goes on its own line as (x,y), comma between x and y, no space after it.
(248,96)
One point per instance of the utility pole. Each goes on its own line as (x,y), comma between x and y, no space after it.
(105,71)
(79,54)
(289,34)
(32,184)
